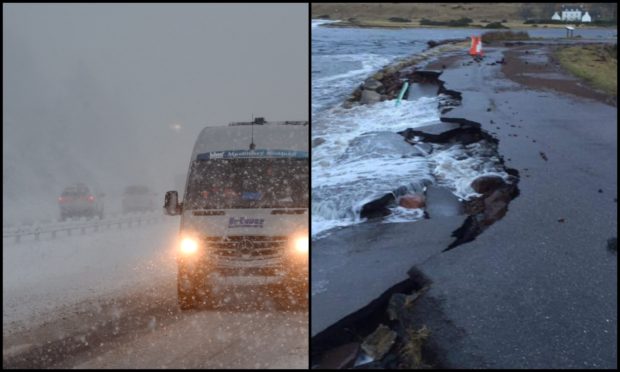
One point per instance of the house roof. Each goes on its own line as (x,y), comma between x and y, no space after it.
(573,7)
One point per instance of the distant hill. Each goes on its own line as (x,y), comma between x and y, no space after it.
(478,12)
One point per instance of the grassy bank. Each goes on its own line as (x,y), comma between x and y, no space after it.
(597,64)
(489,37)
(417,11)
(418,23)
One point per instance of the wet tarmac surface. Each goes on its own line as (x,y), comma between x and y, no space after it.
(539,69)
(546,289)
(356,265)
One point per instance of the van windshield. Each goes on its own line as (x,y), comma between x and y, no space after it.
(248,183)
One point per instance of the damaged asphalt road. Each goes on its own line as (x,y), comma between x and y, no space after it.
(529,292)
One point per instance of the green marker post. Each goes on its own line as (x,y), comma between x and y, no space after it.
(402,92)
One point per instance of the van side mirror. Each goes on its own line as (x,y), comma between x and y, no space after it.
(171,203)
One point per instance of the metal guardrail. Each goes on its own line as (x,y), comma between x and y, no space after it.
(81,227)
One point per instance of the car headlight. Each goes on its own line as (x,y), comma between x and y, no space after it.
(301,244)
(189,246)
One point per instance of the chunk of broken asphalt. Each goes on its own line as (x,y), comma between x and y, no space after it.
(378,343)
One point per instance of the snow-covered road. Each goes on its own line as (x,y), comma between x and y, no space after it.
(108,300)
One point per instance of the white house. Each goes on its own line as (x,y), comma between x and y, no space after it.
(586,18)
(570,13)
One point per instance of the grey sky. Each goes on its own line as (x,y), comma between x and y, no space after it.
(93,89)
(180,57)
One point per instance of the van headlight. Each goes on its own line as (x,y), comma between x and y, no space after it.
(189,246)
(301,244)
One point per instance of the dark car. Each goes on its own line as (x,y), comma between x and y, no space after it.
(79,200)
(138,198)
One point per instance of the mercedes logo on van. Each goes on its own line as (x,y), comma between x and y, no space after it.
(245,248)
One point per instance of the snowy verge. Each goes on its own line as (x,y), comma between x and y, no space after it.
(41,276)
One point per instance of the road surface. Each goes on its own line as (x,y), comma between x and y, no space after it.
(108,300)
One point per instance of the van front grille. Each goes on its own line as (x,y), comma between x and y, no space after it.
(246,250)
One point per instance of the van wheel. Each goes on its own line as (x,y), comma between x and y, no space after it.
(303,296)
(187,296)
(206,298)
(186,289)
(281,294)
(193,292)
(186,301)
(291,296)
(194,298)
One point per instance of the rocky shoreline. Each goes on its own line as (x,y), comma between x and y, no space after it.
(382,24)
(387,82)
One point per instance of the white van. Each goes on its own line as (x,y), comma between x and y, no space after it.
(244,215)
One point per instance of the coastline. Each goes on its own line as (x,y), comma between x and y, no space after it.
(403,25)
(466,308)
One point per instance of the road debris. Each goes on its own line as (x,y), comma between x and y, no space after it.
(378,343)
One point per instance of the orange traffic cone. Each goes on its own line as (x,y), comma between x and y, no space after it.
(476,46)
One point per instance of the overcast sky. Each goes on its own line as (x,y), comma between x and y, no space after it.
(197,62)
(95,90)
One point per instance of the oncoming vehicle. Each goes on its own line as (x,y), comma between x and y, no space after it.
(79,200)
(138,198)
(244,216)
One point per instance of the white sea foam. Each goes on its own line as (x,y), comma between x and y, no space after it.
(369,62)
(363,158)
(319,22)
(456,166)
(400,214)
(331,88)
